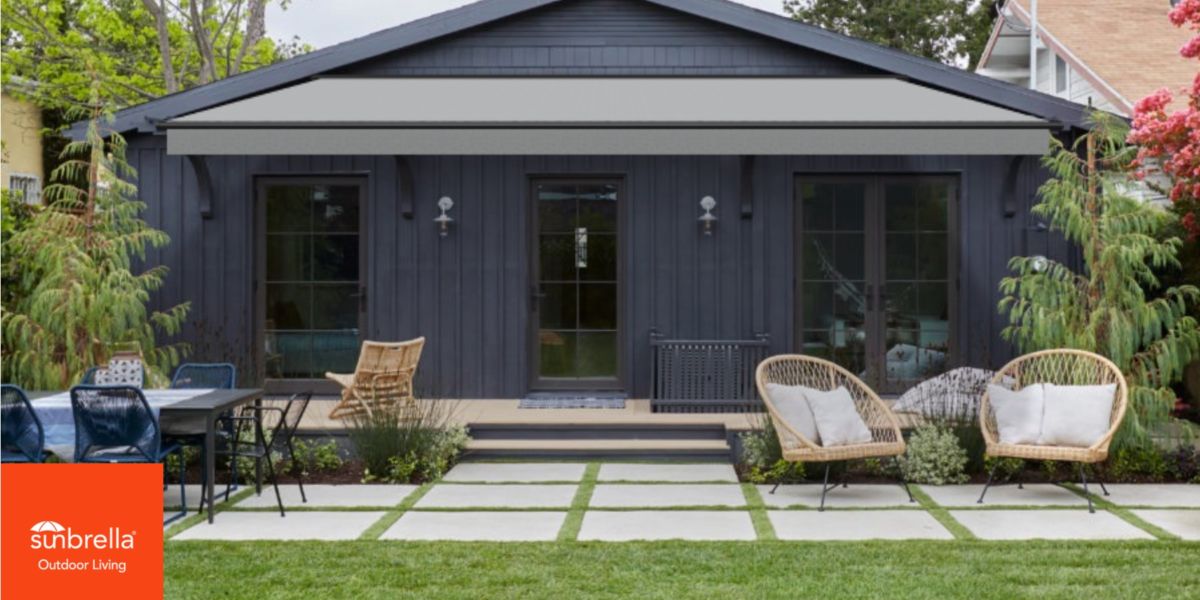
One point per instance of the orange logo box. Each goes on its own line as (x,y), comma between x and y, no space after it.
(84,531)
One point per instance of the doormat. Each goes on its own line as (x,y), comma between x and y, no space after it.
(572,402)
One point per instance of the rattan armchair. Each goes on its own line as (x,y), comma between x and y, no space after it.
(1061,367)
(795,369)
(383,377)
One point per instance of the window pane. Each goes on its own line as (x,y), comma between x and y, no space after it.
(556,208)
(596,355)
(900,207)
(288,208)
(598,207)
(289,306)
(292,357)
(901,261)
(932,206)
(556,353)
(851,207)
(288,257)
(601,258)
(335,258)
(598,306)
(557,257)
(816,204)
(558,306)
(818,252)
(931,251)
(850,255)
(335,306)
(335,208)
(335,351)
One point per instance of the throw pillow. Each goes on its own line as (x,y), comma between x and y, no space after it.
(1018,413)
(1077,415)
(792,405)
(837,419)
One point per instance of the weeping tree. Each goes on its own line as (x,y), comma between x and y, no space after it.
(1116,306)
(75,264)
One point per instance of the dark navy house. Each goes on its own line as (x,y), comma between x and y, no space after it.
(540,186)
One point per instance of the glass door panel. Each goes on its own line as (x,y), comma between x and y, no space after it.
(874,283)
(833,287)
(312,279)
(916,280)
(576,281)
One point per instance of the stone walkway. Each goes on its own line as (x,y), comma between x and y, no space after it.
(665,501)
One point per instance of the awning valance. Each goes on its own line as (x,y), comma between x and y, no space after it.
(607,116)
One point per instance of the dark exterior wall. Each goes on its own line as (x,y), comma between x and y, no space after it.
(606,37)
(469,292)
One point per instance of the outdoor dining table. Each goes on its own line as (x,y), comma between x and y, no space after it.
(180,412)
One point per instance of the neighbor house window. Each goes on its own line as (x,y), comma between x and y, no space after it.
(1062,75)
(26,187)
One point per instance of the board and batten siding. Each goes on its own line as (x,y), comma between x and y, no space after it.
(605,37)
(469,293)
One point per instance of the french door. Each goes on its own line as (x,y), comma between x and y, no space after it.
(876,282)
(311,302)
(576,284)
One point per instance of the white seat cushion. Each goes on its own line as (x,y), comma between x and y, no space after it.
(1077,415)
(837,419)
(792,405)
(1018,413)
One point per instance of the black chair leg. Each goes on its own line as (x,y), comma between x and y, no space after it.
(777,482)
(824,489)
(903,479)
(299,470)
(266,455)
(1083,476)
(1102,488)
(991,475)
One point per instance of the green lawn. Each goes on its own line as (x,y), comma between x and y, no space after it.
(683,570)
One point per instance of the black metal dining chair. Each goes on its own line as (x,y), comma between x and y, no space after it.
(285,421)
(221,376)
(115,424)
(22,439)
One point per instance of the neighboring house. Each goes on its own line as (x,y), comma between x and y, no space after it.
(528,184)
(1109,54)
(21,132)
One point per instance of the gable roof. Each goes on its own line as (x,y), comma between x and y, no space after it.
(1129,44)
(145,116)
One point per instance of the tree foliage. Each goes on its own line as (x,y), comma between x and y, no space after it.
(73,265)
(1170,141)
(1116,306)
(949,31)
(62,45)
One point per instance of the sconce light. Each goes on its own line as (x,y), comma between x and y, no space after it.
(1039,264)
(708,204)
(445,203)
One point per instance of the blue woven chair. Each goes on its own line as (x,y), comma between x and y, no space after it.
(115,424)
(22,439)
(221,376)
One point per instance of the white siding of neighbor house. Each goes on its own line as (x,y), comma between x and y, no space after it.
(1045,71)
(1081,89)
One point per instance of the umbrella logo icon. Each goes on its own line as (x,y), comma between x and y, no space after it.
(47,526)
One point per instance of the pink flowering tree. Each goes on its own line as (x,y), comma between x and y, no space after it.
(1170,141)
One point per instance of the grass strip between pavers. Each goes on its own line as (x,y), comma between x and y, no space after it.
(388,519)
(1125,514)
(940,514)
(763,529)
(202,516)
(579,505)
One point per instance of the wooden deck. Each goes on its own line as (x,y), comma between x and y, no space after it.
(505,412)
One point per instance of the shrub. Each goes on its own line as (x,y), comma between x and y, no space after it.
(1005,467)
(762,457)
(316,457)
(1136,464)
(934,457)
(407,443)
(1184,464)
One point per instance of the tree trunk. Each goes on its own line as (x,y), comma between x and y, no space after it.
(164,43)
(256,28)
(208,62)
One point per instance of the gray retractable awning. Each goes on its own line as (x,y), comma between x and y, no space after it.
(607,116)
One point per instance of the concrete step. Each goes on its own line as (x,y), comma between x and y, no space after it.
(597,431)
(643,449)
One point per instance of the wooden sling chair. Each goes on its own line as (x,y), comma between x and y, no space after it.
(799,370)
(383,377)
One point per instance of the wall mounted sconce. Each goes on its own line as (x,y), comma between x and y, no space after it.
(1039,264)
(708,203)
(445,203)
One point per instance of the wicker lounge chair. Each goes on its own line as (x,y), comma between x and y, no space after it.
(384,376)
(793,369)
(1061,367)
